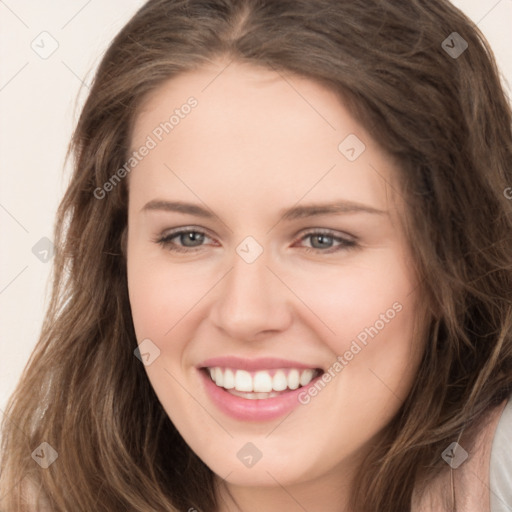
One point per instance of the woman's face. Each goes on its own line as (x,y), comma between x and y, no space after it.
(291,262)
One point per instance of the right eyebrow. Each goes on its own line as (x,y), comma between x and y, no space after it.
(178,206)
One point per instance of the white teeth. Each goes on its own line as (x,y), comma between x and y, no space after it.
(243,381)
(305,377)
(229,379)
(253,396)
(279,381)
(218,377)
(293,379)
(261,384)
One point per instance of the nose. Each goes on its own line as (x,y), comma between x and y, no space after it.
(251,300)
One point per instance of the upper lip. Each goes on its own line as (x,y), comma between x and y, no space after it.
(262,363)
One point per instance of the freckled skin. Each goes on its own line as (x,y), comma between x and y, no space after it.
(251,147)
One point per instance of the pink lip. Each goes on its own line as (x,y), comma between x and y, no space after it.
(244,409)
(263,363)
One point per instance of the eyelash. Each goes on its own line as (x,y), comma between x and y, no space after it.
(345,244)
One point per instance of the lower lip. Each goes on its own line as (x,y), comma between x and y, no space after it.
(246,409)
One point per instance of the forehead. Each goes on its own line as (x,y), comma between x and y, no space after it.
(258,130)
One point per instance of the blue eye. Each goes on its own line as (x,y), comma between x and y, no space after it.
(190,240)
(323,241)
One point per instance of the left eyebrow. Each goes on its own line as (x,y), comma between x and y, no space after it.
(336,208)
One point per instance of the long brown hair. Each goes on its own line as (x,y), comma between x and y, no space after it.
(446,121)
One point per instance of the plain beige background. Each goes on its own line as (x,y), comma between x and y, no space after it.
(40,96)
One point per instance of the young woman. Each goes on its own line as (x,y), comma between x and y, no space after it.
(284,270)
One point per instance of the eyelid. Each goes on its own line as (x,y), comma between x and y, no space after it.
(327,231)
(184,229)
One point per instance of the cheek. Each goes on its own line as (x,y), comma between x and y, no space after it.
(162,299)
(376,356)
(360,301)
(161,294)
(366,314)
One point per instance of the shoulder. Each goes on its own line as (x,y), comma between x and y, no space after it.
(500,471)
(468,485)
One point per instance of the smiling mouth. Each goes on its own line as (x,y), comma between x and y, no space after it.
(261,384)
